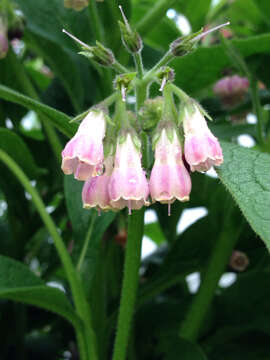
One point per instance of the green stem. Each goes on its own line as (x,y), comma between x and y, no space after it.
(163,61)
(257,108)
(29,89)
(119,67)
(153,16)
(87,240)
(139,64)
(130,283)
(73,278)
(218,262)
(179,92)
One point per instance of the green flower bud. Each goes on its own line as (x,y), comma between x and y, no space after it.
(130,38)
(100,54)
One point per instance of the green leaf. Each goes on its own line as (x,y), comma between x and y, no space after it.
(18,283)
(245,173)
(14,146)
(195,10)
(200,62)
(55,117)
(154,232)
(80,217)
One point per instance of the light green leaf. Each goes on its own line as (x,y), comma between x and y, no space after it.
(246,174)
(18,283)
(55,117)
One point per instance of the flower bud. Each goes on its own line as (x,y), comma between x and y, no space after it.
(151,112)
(202,149)
(95,190)
(100,54)
(239,261)
(3,39)
(83,154)
(76,5)
(128,185)
(231,90)
(169,178)
(130,38)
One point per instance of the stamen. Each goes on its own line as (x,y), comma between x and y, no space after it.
(129,207)
(123,93)
(76,39)
(164,80)
(99,211)
(209,31)
(169,209)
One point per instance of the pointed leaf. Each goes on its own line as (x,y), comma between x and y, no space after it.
(57,118)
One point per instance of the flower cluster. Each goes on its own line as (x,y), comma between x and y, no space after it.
(116,179)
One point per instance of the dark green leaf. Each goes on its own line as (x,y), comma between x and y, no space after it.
(57,118)
(13,145)
(18,283)
(200,62)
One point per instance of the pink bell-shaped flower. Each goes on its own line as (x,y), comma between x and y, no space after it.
(169,178)
(128,185)
(83,154)
(202,149)
(95,191)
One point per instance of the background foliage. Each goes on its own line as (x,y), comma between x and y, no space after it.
(44,83)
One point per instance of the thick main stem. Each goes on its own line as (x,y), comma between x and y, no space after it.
(73,278)
(130,283)
(218,261)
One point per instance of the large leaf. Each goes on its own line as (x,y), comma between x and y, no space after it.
(200,62)
(57,118)
(18,283)
(245,173)
(13,145)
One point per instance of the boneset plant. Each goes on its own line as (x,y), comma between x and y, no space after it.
(137,141)
(109,150)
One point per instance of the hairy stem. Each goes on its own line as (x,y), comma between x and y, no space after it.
(130,283)
(87,240)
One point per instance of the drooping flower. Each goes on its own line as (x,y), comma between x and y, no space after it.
(231,89)
(128,185)
(202,149)
(169,178)
(83,154)
(3,39)
(95,190)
